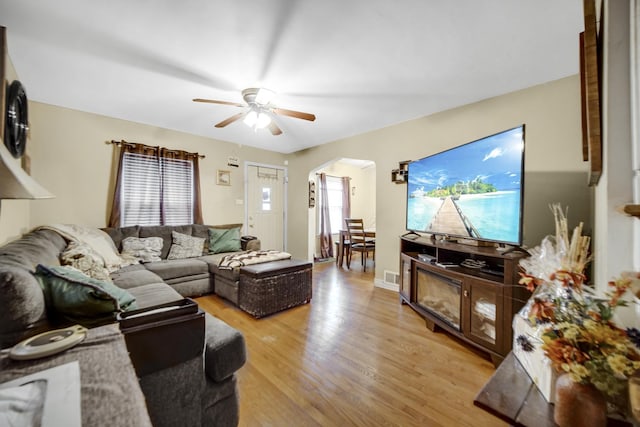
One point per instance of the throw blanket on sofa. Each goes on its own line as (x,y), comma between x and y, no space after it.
(95,238)
(231,261)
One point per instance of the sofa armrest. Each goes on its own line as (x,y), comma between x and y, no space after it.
(225,349)
(250,243)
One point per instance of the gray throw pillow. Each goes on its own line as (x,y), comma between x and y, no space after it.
(224,240)
(185,246)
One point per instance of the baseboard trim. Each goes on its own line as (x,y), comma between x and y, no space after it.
(379,283)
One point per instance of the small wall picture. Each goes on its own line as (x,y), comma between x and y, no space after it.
(312,194)
(223,177)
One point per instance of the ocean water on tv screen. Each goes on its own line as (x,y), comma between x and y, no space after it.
(496,216)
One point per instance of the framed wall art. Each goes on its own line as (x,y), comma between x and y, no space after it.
(312,194)
(223,177)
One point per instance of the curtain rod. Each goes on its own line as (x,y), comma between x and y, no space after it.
(332,176)
(114,142)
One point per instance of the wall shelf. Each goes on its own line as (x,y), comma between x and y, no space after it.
(399,176)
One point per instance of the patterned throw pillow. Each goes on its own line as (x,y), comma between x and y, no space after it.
(224,240)
(145,249)
(185,246)
(84,258)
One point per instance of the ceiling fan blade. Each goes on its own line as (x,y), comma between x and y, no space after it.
(296,114)
(275,130)
(231,119)
(214,101)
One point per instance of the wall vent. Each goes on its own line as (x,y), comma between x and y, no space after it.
(391,277)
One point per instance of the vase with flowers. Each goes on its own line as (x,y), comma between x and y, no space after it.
(579,335)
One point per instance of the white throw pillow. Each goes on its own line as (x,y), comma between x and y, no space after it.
(185,246)
(145,249)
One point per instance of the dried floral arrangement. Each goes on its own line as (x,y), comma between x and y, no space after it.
(580,336)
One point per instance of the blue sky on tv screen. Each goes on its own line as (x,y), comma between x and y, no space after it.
(495,159)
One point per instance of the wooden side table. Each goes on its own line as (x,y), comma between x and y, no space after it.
(512,396)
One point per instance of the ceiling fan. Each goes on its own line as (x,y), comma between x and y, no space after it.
(256,110)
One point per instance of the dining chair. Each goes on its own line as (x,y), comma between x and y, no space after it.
(359,242)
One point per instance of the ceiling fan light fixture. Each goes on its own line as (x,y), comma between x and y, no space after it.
(263,121)
(257,120)
(264,96)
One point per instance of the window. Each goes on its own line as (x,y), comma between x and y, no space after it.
(334,193)
(156,190)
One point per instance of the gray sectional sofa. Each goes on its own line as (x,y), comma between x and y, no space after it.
(201,391)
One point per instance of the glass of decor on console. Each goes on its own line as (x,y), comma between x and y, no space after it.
(578,333)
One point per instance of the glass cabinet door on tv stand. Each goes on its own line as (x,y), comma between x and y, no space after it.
(487,300)
(482,304)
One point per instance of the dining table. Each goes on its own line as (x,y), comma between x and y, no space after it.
(344,236)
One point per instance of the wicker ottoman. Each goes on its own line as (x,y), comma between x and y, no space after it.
(274,286)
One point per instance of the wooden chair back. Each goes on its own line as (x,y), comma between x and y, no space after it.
(355,230)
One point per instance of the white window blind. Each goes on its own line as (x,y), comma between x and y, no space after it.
(151,185)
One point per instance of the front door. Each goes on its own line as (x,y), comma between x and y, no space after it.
(265,214)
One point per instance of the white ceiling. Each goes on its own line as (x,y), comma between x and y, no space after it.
(358,65)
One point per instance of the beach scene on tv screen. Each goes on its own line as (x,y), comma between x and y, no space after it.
(473,190)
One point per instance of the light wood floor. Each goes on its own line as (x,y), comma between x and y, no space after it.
(353,356)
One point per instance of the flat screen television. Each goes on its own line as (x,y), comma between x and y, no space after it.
(474,191)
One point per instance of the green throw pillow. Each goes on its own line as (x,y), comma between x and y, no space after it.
(80,298)
(224,240)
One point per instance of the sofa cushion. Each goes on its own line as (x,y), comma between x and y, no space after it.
(185,246)
(164,231)
(23,307)
(154,294)
(133,276)
(144,249)
(81,256)
(80,298)
(224,240)
(192,286)
(225,350)
(171,269)
(120,233)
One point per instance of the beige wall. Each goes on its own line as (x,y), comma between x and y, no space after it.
(70,158)
(550,111)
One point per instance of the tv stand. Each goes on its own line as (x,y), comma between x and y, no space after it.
(476,305)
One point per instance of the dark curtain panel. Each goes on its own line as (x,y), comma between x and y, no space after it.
(197,201)
(346,197)
(159,153)
(326,242)
(114,218)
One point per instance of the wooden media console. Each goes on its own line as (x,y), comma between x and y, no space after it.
(476,302)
